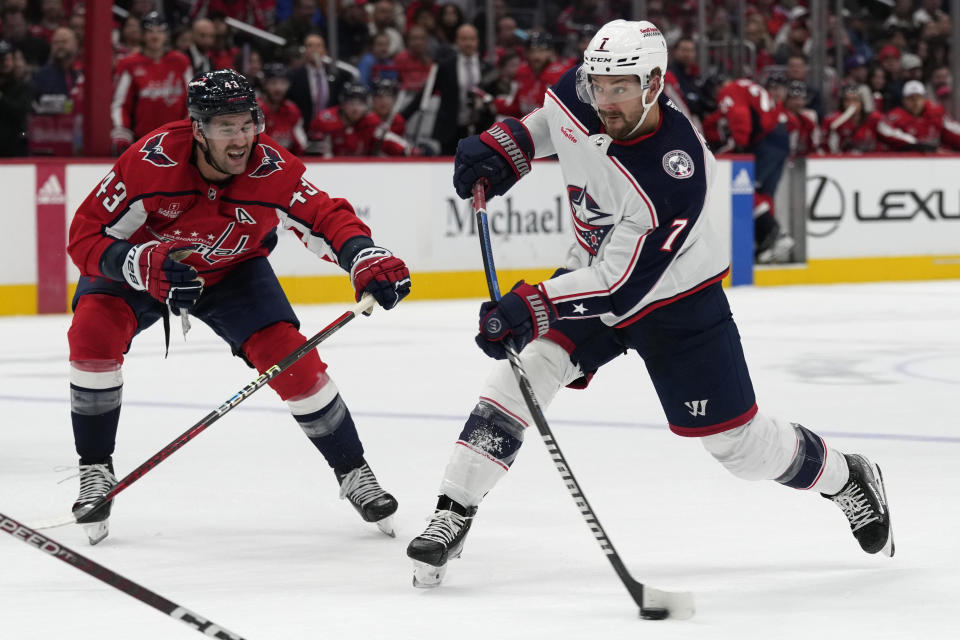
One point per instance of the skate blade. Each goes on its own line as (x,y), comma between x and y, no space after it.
(386,525)
(96,531)
(427,576)
(889,548)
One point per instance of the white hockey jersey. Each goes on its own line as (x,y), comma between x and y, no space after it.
(643,238)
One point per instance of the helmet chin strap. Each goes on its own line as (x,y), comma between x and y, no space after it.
(646,110)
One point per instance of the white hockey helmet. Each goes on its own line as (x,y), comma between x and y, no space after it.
(623,47)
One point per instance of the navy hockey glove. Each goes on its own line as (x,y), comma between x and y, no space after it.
(377,271)
(153,267)
(524,315)
(501,155)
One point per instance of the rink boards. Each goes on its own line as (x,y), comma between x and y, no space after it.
(874,219)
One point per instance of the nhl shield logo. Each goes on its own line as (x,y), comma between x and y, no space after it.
(678,164)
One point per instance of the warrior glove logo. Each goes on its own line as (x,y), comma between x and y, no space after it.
(509,148)
(540,314)
(152,151)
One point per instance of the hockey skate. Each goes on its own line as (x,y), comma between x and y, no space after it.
(864,502)
(95,481)
(361,488)
(442,540)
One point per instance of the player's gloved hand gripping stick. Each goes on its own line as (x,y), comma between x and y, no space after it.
(654,604)
(365,304)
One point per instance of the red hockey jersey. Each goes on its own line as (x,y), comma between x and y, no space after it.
(147,94)
(803,130)
(285,125)
(749,111)
(155,192)
(931,126)
(363,138)
(862,134)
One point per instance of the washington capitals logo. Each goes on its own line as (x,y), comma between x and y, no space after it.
(153,153)
(591,224)
(271,162)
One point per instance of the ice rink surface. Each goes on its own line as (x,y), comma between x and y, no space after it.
(243,524)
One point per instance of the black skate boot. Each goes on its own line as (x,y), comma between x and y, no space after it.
(442,540)
(864,502)
(361,488)
(95,481)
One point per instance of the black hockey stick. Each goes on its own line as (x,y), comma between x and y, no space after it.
(654,604)
(115,580)
(365,304)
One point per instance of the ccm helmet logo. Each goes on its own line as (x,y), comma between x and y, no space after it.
(600,59)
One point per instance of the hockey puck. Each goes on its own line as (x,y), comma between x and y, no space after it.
(654,614)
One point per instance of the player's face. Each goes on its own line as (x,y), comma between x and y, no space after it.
(230,139)
(619,102)
(354,109)
(383,104)
(277,89)
(155,39)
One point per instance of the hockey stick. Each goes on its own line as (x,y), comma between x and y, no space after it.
(365,304)
(654,604)
(115,580)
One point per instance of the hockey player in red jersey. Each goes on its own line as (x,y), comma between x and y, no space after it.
(183,223)
(350,129)
(384,103)
(802,126)
(644,274)
(150,88)
(859,129)
(282,119)
(923,119)
(747,121)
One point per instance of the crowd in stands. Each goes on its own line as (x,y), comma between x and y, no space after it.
(412,77)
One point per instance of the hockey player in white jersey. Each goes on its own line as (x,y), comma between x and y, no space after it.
(643,274)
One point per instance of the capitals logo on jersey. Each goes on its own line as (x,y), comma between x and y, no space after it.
(590,222)
(152,151)
(269,164)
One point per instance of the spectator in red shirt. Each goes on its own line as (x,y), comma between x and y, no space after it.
(413,63)
(51,17)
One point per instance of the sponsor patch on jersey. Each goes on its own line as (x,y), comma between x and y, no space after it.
(568,134)
(269,164)
(678,164)
(172,210)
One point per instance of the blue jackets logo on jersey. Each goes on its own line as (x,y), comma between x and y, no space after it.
(678,164)
(153,153)
(269,164)
(591,224)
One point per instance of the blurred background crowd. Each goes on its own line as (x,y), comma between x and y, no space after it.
(412,77)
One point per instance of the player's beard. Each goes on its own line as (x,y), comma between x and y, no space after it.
(616,124)
(208,156)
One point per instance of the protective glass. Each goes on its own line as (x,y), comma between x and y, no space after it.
(601,89)
(224,128)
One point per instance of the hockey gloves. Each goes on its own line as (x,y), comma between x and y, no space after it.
(522,315)
(153,267)
(501,155)
(376,271)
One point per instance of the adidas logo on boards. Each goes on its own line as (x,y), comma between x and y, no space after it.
(51,192)
(742,183)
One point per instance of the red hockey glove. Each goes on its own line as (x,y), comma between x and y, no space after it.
(377,271)
(153,267)
(524,315)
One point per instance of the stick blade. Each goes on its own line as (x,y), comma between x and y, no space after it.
(660,605)
(52,523)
